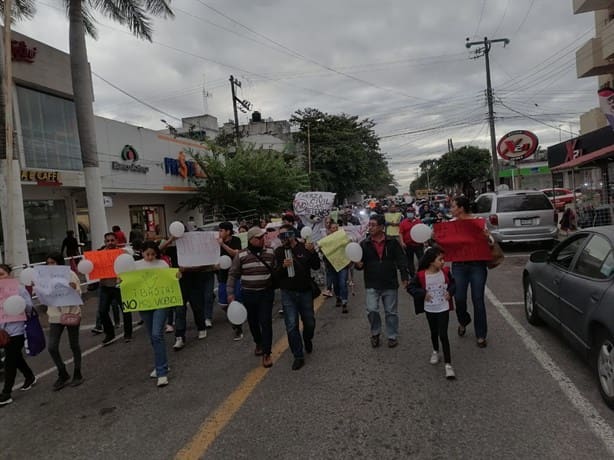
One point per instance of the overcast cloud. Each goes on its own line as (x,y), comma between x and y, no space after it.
(402,63)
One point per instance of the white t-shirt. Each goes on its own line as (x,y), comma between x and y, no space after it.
(436,286)
(143,264)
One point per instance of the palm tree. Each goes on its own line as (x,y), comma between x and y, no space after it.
(136,15)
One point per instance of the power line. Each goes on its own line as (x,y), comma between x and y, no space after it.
(477,29)
(525,17)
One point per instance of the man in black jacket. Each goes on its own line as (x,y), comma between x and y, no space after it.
(294,262)
(382,256)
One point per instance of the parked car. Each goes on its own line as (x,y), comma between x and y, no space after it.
(571,289)
(515,216)
(561,196)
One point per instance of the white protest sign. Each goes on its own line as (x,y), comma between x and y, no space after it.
(318,204)
(195,249)
(51,285)
(357,233)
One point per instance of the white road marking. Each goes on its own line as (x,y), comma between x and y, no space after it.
(595,422)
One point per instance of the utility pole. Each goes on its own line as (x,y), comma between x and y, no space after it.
(244,106)
(309,154)
(485,51)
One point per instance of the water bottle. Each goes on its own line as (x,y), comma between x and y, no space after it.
(291,267)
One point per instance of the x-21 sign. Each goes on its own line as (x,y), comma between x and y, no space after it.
(517,145)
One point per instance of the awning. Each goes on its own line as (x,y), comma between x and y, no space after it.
(600,154)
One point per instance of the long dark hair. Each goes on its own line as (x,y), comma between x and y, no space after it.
(57,257)
(6,268)
(151,245)
(429,257)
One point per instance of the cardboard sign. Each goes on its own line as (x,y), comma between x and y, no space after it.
(51,285)
(9,287)
(463,240)
(150,289)
(318,204)
(392,223)
(103,262)
(196,249)
(333,247)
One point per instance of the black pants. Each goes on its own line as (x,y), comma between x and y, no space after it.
(55,334)
(13,360)
(438,323)
(108,295)
(413,252)
(259,305)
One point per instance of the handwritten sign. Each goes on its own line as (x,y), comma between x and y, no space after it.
(196,249)
(392,223)
(51,285)
(8,288)
(150,289)
(318,204)
(463,240)
(103,263)
(333,248)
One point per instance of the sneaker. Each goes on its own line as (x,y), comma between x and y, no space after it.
(434,357)
(127,339)
(338,303)
(140,322)
(308,346)
(375,341)
(76,380)
(179,343)
(202,334)
(267,361)
(96,331)
(208,324)
(169,328)
(450,375)
(28,383)
(60,383)
(345,308)
(238,335)
(153,374)
(258,351)
(280,312)
(5,399)
(327,293)
(298,363)
(392,343)
(108,340)
(162,381)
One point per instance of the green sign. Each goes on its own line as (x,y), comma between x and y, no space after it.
(150,289)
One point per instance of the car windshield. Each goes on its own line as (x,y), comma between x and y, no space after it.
(533,202)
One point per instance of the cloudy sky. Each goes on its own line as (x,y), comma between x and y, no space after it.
(402,63)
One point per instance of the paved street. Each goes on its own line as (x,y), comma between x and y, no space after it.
(525,396)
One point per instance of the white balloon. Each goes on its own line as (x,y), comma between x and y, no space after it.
(14,305)
(27,276)
(353,251)
(225,262)
(237,314)
(306,232)
(176,229)
(85,266)
(124,263)
(420,233)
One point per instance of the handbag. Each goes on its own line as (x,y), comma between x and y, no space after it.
(5,338)
(315,289)
(70,319)
(35,337)
(497,256)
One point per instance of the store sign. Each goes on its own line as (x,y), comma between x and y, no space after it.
(517,145)
(129,154)
(107,201)
(41,177)
(182,167)
(21,52)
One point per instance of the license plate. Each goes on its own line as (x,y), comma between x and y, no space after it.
(526,221)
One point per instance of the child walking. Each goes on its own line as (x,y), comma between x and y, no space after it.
(433,289)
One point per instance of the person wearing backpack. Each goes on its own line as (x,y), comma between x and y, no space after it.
(14,358)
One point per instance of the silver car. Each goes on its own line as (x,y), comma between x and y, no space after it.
(518,216)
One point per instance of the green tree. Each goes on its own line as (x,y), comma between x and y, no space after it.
(249,179)
(345,153)
(135,14)
(459,168)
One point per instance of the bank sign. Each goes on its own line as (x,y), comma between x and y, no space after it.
(517,145)
(129,154)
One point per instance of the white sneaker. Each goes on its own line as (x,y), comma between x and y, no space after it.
(434,357)
(450,375)
(179,343)
(153,374)
(202,334)
(162,381)
(208,324)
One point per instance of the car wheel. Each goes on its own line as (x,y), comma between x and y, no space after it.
(604,366)
(530,308)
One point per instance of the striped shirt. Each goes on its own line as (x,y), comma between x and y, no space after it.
(255,275)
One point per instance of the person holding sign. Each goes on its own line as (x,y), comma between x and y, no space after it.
(229,246)
(57,323)
(382,258)
(338,279)
(13,355)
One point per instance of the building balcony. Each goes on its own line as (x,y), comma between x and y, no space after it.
(607,41)
(585,6)
(590,61)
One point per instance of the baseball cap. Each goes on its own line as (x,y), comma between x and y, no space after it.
(255,232)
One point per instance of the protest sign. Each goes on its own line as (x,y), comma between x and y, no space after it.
(462,240)
(150,289)
(318,204)
(243,238)
(356,233)
(51,285)
(196,249)
(392,223)
(103,262)
(333,248)
(8,288)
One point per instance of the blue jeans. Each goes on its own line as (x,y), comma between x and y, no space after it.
(154,321)
(339,281)
(259,305)
(298,303)
(389,298)
(471,274)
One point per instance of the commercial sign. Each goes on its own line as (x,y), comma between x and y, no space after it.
(41,177)
(182,167)
(129,153)
(517,145)
(21,52)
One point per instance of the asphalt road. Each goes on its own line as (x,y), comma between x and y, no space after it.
(527,395)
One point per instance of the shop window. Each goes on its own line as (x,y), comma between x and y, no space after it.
(45,227)
(148,219)
(49,131)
